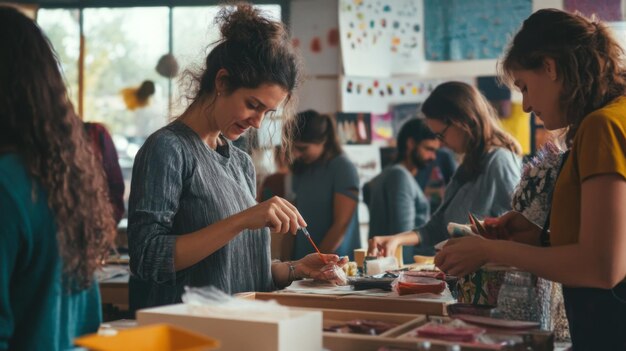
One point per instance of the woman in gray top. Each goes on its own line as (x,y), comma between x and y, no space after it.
(193,218)
(465,122)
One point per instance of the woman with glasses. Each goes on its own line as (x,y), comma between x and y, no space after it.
(464,122)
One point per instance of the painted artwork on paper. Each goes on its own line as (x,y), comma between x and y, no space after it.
(381,37)
(382,128)
(315,31)
(471,29)
(377,94)
(354,128)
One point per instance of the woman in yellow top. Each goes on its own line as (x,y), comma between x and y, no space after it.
(571,73)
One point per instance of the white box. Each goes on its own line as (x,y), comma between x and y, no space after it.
(302,331)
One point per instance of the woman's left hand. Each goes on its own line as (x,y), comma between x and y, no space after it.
(462,256)
(311,266)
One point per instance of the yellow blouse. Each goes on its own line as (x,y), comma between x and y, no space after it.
(599,147)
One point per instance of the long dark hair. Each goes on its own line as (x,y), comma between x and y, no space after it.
(464,106)
(254,50)
(588,60)
(312,127)
(38,122)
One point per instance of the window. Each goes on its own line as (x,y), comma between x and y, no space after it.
(122,47)
(62,28)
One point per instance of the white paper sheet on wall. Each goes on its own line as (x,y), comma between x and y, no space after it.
(315,32)
(380,38)
(407,37)
(376,94)
(365,38)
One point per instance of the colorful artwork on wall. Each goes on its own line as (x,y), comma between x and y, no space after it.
(315,31)
(380,38)
(471,29)
(376,95)
(382,128)
(354,128)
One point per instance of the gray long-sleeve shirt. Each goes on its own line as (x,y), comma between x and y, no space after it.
(179,186)
(397,204)
(489,195)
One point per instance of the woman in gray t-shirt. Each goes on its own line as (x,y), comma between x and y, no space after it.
(326,186)
(193,218)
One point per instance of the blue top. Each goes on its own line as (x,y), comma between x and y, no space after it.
(489,195)
(35,311)
(181,185)
(397,204)
(315,190)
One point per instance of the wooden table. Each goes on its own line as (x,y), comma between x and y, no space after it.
(114,293)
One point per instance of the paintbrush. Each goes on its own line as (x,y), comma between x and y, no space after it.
(308,236)
(479,226)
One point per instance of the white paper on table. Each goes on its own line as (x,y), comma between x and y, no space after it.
(308,286)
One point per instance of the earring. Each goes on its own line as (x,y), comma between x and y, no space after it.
(218,93)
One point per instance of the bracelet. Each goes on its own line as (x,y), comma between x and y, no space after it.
(292,271)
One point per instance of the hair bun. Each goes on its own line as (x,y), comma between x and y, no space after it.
(242,23)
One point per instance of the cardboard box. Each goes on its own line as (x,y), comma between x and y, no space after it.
(353,302)
(301,331)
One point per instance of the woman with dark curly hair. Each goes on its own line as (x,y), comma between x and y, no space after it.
(193,217)
(57,222)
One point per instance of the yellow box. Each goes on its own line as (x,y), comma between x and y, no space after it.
(302,330)
(159,337)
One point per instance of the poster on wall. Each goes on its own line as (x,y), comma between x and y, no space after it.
(381,37)
(354,128)
(366,159)
(606,10)
(315,34)
(471,29)
(382,128)
(377,94)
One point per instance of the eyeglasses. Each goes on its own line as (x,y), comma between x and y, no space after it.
(441,135)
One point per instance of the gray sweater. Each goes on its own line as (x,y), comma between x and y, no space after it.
(489,195)
(179,186)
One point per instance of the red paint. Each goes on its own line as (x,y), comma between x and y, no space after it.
(316,45)
(295,42)
(333,37)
